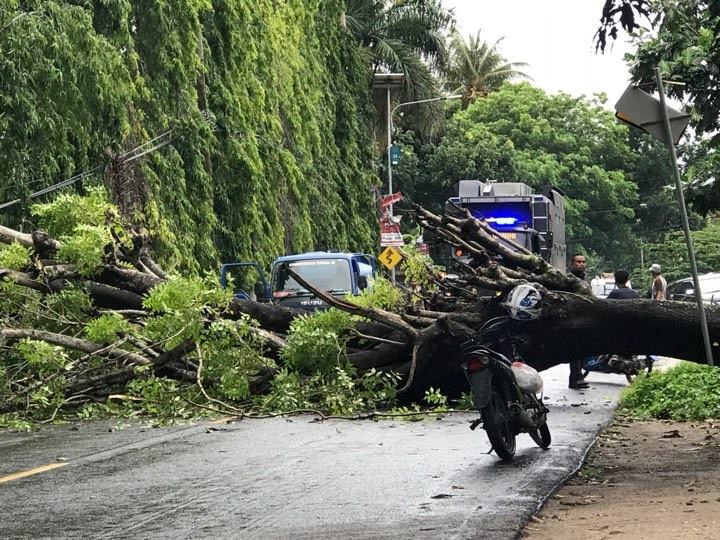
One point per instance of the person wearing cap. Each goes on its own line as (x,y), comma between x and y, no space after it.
(658,290)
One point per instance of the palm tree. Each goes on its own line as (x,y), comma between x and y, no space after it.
(477,68)
(405,36)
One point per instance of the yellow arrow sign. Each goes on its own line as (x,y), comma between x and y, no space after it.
(390,257)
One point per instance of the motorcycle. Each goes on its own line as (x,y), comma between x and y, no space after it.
(504,392)
(630,366)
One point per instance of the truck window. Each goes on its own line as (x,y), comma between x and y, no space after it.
(325,274)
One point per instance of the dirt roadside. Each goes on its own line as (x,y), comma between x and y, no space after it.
(642,479)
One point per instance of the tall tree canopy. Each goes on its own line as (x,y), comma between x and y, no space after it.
(477,68)
(405,36)
(685,45)
(519,133)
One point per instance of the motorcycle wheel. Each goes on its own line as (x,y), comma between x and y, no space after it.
(496,422)
(541,435)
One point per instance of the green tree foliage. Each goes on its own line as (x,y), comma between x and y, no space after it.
(48,375)
(251,150)
(672,252)
(685,47)
(519,133)
(318,342)
(404,36)
(64,92)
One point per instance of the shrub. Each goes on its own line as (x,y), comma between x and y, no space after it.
(317,341)
(686,392)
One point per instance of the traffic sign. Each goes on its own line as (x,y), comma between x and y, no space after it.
(395,155)
(390,257)
(390,231)
(641,110)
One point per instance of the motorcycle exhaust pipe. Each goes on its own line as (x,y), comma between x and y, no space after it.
(522,415)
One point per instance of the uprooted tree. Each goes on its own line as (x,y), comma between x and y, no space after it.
(89,319)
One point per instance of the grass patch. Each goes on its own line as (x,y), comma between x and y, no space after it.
(686,392)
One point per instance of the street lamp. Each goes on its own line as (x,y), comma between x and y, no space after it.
(389,142)
(390,131)
(642,253)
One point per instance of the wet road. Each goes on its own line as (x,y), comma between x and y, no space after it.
(292,478)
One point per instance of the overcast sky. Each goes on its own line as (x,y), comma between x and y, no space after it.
(555,37)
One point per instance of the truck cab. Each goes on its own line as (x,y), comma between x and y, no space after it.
(340,274)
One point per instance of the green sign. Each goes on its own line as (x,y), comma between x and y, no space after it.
(394,155)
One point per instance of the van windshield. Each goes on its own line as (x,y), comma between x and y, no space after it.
(325,274)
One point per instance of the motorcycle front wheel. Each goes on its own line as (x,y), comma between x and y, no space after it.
(541,435)
(496,422)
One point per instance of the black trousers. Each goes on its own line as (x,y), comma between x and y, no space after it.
(575,370)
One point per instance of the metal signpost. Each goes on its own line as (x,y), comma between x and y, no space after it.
(641,110)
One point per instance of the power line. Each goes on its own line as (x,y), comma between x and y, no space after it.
(54,187)
(130,155)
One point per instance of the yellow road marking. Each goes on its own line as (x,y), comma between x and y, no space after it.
(30,472)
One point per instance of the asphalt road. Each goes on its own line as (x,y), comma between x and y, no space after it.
(292,477)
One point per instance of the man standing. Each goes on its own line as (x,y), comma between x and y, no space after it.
(577,269)
(658,291)
(622,291)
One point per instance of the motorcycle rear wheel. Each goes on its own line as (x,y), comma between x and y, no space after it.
(541,435)
(496,422)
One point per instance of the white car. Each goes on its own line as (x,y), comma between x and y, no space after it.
(683,290)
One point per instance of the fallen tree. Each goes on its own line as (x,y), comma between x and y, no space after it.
(103,318)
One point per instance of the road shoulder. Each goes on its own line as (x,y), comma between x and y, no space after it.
(642,479)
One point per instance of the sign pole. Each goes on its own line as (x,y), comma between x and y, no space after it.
(683,213)
(389,161)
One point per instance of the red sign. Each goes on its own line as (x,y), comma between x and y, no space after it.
(390,232)
(387,200)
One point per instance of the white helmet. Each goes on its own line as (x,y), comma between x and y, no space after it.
(524,303)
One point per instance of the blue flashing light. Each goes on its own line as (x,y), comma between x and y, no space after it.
(503,214)
(502,220)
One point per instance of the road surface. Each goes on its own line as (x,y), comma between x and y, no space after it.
(292,477)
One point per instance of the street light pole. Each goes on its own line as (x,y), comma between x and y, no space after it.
(390,130)
(683,214)
(389,159)
(389,138)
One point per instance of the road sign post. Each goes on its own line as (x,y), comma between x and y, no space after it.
(641,110)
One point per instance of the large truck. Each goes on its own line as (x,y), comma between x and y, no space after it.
(535,221)
(337,273)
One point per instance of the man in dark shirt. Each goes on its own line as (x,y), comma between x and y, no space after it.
(622,291)
(577,269)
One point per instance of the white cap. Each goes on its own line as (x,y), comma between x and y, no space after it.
(656,269)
